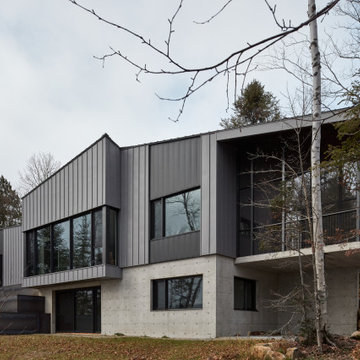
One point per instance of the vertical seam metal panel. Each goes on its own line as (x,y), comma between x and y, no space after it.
(78,187)
(205,196)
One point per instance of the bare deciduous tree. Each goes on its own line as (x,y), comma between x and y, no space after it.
(37,169)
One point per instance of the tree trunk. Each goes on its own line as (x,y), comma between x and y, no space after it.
(318,241)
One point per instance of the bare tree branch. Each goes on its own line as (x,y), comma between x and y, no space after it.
(213,16)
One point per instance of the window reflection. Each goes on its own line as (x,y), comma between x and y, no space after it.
(185,293)
(82,241)
(98,228)
(61,244)
(182,213)
(43,250)
(177,293)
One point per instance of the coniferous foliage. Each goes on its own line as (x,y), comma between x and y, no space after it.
(346,156)
(10,205)
(254,106)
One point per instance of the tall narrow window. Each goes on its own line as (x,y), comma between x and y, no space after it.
(61,246)
(1,270)
(111,237)
(156,219)
(43,250)
(30,264)
(82,241)
(98,229)
(244,294)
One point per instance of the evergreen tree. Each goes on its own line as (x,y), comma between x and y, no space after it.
(10,205)
(254,106)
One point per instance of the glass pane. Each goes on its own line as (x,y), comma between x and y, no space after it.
(111,237)
(61,243)
(239,294)
(84,311)
(30,254)
(156,219)
(82,241)
(185,293)
(245,209)
(43,250)
(159,295)
(182,213)
(98,228)
(98,310)
(337,193)
(65,311)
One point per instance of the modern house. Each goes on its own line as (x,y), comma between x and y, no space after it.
(190,237)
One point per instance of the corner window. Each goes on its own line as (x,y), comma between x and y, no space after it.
(177,293)
(176,214)
(244,294)
(73,243)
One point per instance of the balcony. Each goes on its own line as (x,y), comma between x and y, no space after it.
(291,236)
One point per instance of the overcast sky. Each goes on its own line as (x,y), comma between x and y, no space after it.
(55,97)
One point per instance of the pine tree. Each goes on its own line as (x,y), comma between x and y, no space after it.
(10,205)
(254,106)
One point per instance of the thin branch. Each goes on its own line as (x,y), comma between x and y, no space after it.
(214,16)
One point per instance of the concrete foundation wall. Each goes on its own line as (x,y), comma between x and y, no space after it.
(231,322)
(343,299)
(126,304)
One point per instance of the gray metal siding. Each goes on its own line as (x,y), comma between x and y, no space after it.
(174,166)
(13,256)
(87,273)
(113,175)
(78,187)
(134,213)
(208,193)
(226,200)
(175,247)
(1,242)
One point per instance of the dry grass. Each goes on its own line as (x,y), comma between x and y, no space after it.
(63,347)
(74,347)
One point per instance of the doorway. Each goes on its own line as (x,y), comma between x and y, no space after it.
(78,310)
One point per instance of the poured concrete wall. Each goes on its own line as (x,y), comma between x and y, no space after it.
(343,299)
(126,304)
(232,322)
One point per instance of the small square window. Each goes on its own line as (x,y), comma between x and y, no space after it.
(244,294)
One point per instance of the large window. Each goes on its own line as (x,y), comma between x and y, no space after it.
(74,243)
(177,214)
(244,294)
(177,293)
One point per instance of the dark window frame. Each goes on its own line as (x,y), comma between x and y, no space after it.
(154,294)
(31,235)
(163,214)
(249,286)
